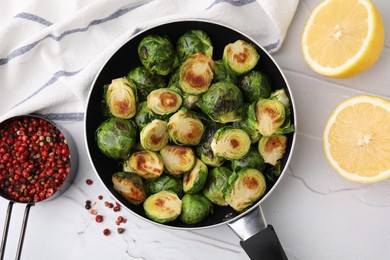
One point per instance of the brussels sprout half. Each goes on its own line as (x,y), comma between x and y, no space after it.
(248,123)
(165,182)
(146,164)
(164,101)
(272,148)
(270,116)
(192,42)
(196,74)
(163,206)
(223,102)
(177,159)
(130,186)
(255,85)
(157,54)
(194,180)
(195,208)
(203,150)
(185,128)
(121,98)
(116,137)
(231,143)
(145,81)
(216,184)
(240,57)
(154,136)
(245,188)
(252,159)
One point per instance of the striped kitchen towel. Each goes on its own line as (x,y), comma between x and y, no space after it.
(50,51)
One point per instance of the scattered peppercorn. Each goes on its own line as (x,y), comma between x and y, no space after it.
(100,197)
(99,218)
(88,205)
(106,232)
(116,208)
(89,181)
(121,230)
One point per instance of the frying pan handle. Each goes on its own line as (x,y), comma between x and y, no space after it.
(258,239)
(22,231)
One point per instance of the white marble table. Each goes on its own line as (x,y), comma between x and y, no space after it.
(316,213)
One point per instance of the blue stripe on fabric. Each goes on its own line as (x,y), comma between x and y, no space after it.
(237,3)
(272,46)
(53,79)
(22,50)
(34,18)
(64,116)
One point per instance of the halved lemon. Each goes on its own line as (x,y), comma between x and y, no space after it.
(357,139)
(342,38)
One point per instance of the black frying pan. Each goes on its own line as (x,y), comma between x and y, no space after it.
(250,225)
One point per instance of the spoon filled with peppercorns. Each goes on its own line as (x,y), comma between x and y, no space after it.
(38,162)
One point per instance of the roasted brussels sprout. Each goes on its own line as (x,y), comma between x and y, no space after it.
(146,164)
(164,101)
(245,188)
(154,136)
(194,180)
(163,206)
(121,98)
(230,143)
(272,148)
(252,159)
(130,186)
(254,85)
(157,54)
(270,116)
(192,42)
(185,128)
(240,57)
(223,102)
(281,96)
(195,208)
(222,74)
(145,81)
(144,115)
(203,150)
(217,181)
(165,182)
(196,74)
(116,137)
(177,159)
(248,123)
(189,100)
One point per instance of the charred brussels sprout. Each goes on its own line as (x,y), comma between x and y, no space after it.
(252,159)
(177,159)
(223,102)
(192,42)
(154,136)
(194,180)
(216,184)
(185,128)
(203,150)
(240,57)
(195,208)
(146,164)
(145,81)
(196,74)
(222,74)
(164,182)
(231,143)
(157,54)
(163,206)
(121,98)
(245,188)
(255,85)
(272,148)
(130,186)
(144,115)
(270,116)
(164,101)
(116,137)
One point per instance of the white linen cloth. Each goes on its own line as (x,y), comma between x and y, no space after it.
(50,51)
